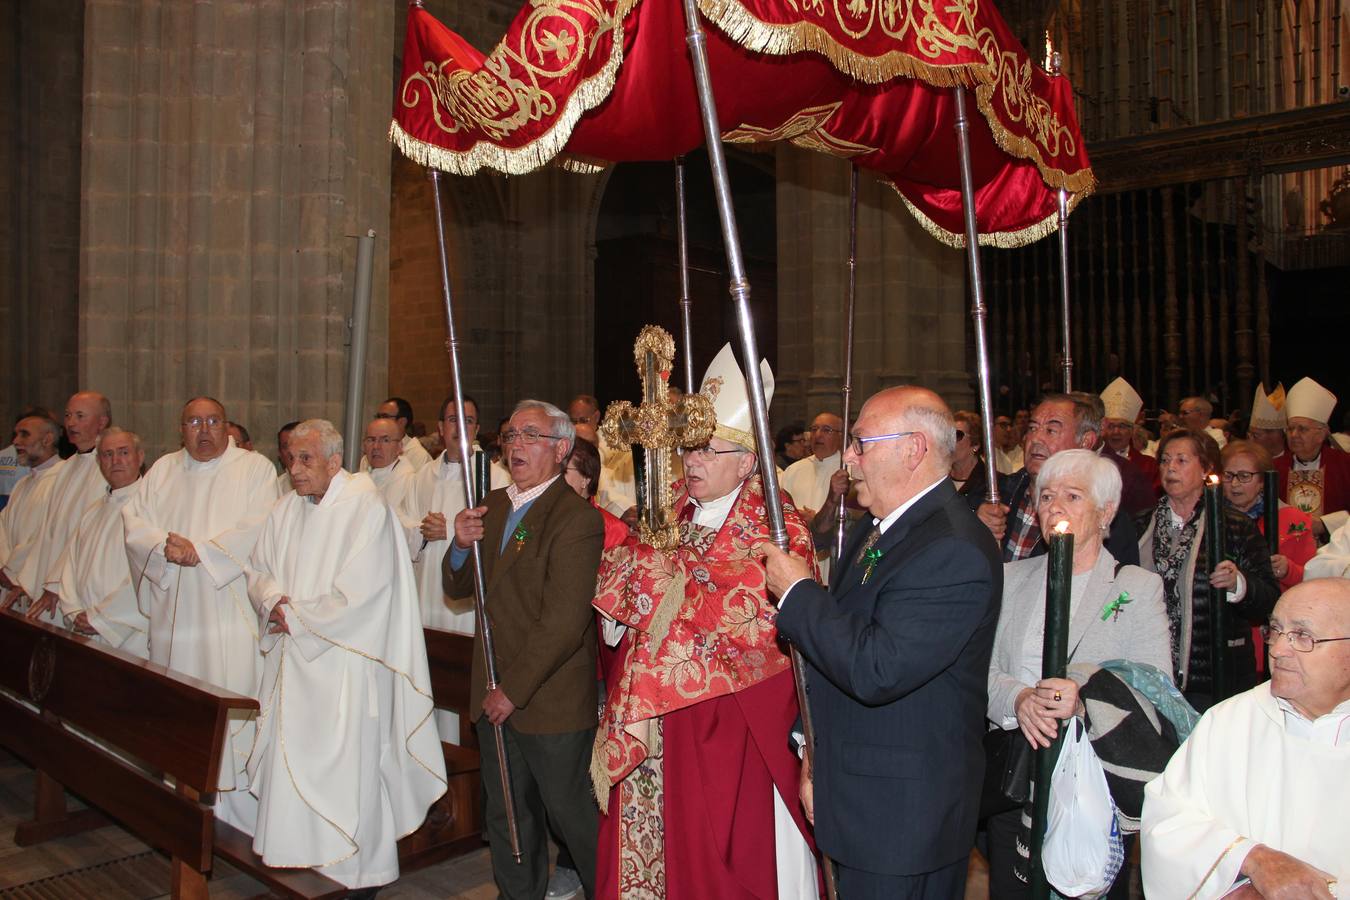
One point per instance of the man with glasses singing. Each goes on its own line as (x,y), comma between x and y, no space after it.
(898,653)
(692,767)
(191,524)
(540,545)
(811,480)
(1255,801)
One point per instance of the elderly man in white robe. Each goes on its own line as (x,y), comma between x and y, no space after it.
(436,497)
(21,520)
(78,486)
(1254,803)
(399,411)
(93,589)
(816,481)
(191,524)
(347,759)
(382,452)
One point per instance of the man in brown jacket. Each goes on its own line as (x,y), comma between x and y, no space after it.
(541,548)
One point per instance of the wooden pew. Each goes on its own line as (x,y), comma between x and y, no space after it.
(454,824)
(52,681)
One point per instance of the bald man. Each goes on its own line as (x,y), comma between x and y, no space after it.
(1255,799)
(903,636)
(191,524)
(78,486)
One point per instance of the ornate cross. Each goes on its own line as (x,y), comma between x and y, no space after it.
(658,425)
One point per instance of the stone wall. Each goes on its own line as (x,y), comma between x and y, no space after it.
(40,87)
(233,150)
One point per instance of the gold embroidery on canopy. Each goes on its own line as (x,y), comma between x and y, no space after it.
(806,129)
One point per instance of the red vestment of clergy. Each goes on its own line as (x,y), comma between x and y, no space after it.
(698,713)
(1335,477)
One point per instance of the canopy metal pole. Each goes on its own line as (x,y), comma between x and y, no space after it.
(686,302)
(977,310)
(841,515)
(1064,287)
(479,584)
(740,294)
(359,324)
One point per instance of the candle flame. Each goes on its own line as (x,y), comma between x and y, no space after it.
(1214,480)
(1062,526)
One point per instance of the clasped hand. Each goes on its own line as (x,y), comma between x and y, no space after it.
(276,619)
(469,526)
(1038,710)
(178,549)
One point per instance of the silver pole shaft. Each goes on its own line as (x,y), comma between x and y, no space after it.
(479,584)
(356,357)
(1064,287)
(740,293)
(686,302)
(841,521)
(977,312)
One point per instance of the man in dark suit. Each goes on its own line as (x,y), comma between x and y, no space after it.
(898,655)
(541,547)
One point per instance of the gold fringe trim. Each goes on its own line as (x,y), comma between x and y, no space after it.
(1004,240)
(1079,184)
(737,23)
(600,781)
(537,153)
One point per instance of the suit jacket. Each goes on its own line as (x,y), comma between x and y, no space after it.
(538,599)
(1139,633)
(896,679)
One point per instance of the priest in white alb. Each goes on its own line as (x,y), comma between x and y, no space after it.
(191,524)
(93,588)
(1254,803)
(347,758)
(382,453)
(21,520)
(437,495)
(78,486)
(399,412)
(808,480)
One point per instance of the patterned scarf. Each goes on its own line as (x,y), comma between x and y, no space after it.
(1171,546)
(1024,531)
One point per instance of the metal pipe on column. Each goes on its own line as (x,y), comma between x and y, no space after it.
(359,324)
(479,583)
(740,295)
(850,305)
(977,310)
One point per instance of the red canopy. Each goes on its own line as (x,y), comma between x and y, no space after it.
(596,81)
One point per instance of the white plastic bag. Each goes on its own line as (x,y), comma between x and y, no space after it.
(1083,850)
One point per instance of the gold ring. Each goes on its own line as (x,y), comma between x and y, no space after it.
(1058,696)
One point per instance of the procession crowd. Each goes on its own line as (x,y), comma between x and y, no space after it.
(644,689)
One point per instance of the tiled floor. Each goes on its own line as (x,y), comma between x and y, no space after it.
(138,878)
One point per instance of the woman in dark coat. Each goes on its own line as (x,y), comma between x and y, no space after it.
(1172,544)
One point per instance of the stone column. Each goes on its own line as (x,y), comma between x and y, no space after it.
(232,152)
(912,310)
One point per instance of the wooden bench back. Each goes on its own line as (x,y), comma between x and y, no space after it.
(173,723)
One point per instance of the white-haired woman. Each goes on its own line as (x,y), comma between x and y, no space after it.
(1116,612)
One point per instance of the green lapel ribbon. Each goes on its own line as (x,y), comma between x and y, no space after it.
(519,536)
(1113,607)
(870,560)
(1297,527)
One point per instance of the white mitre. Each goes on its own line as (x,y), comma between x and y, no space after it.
(1268,409)
(1309,400)
(1122,401)
(725,386)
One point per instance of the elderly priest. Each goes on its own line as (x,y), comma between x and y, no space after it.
(1255,801)
(347,759)
(191,524)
